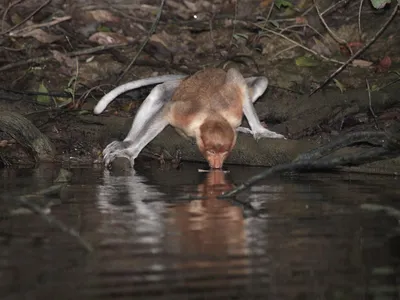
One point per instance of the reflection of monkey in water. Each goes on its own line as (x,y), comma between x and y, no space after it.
(210,226)
(207,106)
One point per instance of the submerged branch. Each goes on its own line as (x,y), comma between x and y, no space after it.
(312,160)
(28,201)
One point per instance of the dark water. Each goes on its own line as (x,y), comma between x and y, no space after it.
(299,237)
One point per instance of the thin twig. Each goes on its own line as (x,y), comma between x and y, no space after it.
(372,137)
(10,5)
(210,25)
(300,45)
(26,19)
(307,11)
(269,13)
(60,182)
(333,35)
(28,29)
(284,50)
(359,51)
(370,104)
(87,93)
(234,22)
(374,154)
(328,10)
(151,31)
(359,19)
(392,82)
(71,54)
(75,80)
(55,222)
(302,25)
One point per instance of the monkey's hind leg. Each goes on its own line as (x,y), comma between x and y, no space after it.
(149,121)
(256,86)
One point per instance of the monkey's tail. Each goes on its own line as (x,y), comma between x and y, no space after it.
(110,96)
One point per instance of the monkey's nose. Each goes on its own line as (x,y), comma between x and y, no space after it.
(215,165)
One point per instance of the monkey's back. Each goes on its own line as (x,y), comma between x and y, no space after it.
(207,92)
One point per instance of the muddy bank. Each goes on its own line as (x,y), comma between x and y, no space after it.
(80,138)
(67,60)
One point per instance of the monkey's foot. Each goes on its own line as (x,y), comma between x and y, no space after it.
(265,133)
(244,130)
(117,149)
(261,133)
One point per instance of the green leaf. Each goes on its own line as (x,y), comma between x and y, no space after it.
(103,28)
(84,112)
(275,23)
(374,88)
(238,36)
(341,87)
(283,3)
(306,61)
(61,102)
(43,99)
(71,81)
(378,4)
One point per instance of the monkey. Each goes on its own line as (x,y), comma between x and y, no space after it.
(207,106)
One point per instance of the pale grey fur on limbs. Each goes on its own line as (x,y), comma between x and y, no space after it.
(148,123)
(150,120)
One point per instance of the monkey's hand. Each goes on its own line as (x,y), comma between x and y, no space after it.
(117,149)
(261,133)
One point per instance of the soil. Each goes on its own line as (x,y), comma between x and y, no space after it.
(57,61)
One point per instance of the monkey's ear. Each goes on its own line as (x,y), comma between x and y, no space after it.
(234,76)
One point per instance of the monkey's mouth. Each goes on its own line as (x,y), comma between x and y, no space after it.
(214,166)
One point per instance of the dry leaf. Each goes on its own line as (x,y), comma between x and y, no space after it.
(361,63)
(192,6)
(3,143)
(384,64)
(265,3)
(306,61)
(43,36)
(43,98)
(320,47)
(161,46)
(64,59)
(301,20)
(102,15)
(340,85)
(354,46)
(109,38)
(390,115)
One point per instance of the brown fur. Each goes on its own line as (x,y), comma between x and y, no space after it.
(217,134)
(209,107)
(209,91)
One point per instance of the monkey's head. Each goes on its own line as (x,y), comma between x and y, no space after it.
(216,140)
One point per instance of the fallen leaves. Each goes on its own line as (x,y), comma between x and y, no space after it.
(361,63)
(384,64)
(43,98)
(109,38)
(102,16)
(378,4)
(353,46)
(306,61)
(33,30)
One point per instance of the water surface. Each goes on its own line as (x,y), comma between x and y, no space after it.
(289,237)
